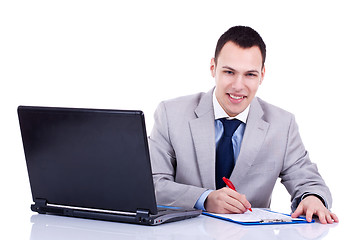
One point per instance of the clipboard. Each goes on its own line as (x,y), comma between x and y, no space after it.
(259,216)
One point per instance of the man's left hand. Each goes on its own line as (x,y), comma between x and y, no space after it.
(311,205)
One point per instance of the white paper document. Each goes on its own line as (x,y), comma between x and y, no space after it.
(257,215)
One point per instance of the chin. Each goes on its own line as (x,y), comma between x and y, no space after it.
(236,111)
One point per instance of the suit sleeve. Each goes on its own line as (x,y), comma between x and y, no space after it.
(163,160)
(299,175)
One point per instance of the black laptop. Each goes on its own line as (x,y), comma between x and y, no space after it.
(92,163)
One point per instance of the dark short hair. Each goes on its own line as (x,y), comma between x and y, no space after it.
(244,37)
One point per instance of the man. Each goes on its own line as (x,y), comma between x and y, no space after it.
(190,153)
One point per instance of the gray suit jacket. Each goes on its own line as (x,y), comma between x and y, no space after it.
(182,150)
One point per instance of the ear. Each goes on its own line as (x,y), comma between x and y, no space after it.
(212,67)
(262,75)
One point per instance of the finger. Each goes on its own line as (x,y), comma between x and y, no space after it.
(235,205)
(234,209)
(239,198)
(299,210)
(309,215)
(321,216)
(244,201)
(334,217)
(329,218)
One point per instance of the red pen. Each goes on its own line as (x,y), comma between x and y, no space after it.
(231,186)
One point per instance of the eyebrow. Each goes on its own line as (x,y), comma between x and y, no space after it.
(234,70)
(230,68)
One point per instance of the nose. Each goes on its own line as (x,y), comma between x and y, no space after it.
(238,83)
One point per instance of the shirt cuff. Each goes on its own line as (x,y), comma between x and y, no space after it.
(200,202)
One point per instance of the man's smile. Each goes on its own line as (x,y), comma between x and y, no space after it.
(236,98)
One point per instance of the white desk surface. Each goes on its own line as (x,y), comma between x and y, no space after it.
(41,227)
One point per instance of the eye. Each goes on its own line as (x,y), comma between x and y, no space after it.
(251,75)
(229,72)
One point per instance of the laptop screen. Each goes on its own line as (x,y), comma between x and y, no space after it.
(88,158)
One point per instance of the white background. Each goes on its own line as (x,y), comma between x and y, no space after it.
(134,54)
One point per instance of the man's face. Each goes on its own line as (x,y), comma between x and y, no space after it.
(238,75)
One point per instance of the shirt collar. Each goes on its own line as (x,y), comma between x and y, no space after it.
(220,113)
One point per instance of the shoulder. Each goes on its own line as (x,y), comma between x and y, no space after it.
(184,105)
(185,101)
(175,114)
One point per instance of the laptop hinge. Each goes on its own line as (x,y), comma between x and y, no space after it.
(142,216)
(39,205)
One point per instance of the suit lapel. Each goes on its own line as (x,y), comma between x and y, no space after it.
(254,135)
(203,133)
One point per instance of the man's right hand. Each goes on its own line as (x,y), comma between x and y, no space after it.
(226,200)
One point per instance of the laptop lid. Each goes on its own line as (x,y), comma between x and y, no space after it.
(88,158)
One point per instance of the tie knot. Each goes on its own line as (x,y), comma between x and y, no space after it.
(230,126)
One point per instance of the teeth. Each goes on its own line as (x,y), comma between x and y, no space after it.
(235,97)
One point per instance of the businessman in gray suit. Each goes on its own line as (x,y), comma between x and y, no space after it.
(187,138)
